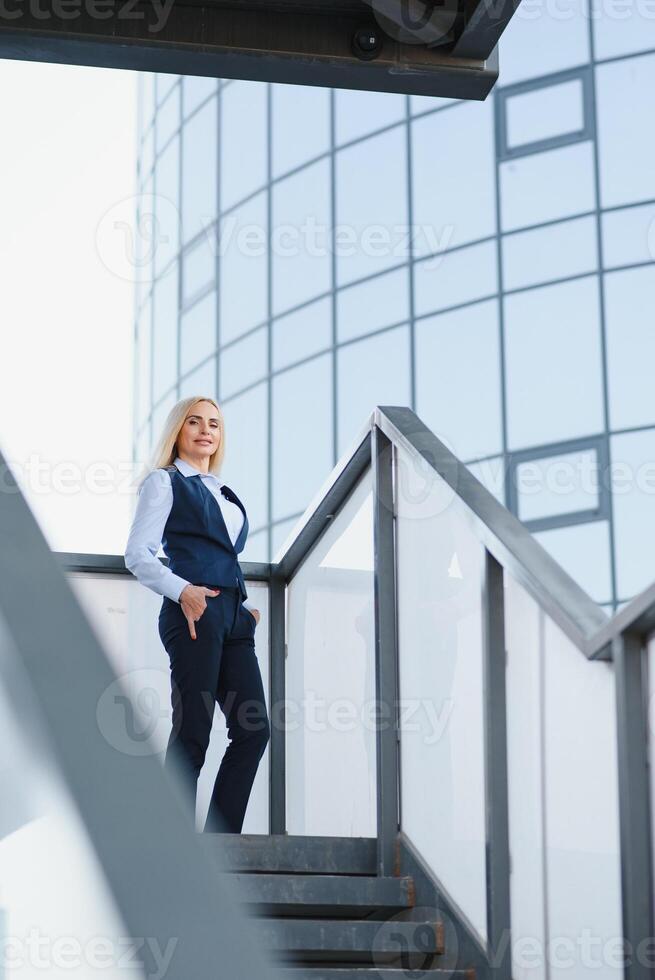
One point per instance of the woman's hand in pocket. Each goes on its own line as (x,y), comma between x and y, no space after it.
(193,602)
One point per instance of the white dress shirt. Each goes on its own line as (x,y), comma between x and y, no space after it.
(154,504)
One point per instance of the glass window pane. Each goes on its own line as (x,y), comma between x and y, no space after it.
(629,303)
(147,155)
(243,140)
(146,99)
(371,372)
(537,43)
(459,206)
(143,353)
(302,333)
(425,103)
(358,112)
(552,352)
(568,248)
(300,126)
(165,333)
(545,112)
(195,90)
(302,405)
(628,236)
(243,363)
(202,381)
(160,413)
(551,486)
(546,186)
(371,237)
(167,229)
(458,379)
(625,99)
(452,278)
(633,489)
(164,83)
(583,550)
(168,119)
(198,267)
(624,30)
(199,177)
(246,458)
(243,274)
(376,303)
(198,333)
(301,255)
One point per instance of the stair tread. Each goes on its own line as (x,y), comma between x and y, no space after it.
(331,890)
(290,853)
(320,971)
(360,935)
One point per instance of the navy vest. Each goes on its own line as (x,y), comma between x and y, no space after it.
(195,538)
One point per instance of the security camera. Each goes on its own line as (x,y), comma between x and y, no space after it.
(367,42)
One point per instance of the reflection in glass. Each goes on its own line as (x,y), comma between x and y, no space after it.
(243,140)
(199,166)
(301,224)
(243,363)
(371,372)
(246,457)
(368,173)
(198,332)
(164,331)
(458,392)
(552,337)
(459,206)
(243,268)
(302,434)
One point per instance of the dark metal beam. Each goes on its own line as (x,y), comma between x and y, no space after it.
(495,770)
(630,678)
(386,650)
(484,22)
(277,688)
(308,44)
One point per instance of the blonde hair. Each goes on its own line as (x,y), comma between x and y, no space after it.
(165,450)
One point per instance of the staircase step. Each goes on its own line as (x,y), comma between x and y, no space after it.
(336,895)
(289,853)
(354,940)
(320,971)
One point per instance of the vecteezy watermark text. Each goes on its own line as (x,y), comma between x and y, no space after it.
(156,12)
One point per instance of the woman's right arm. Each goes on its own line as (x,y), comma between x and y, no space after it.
(153,506)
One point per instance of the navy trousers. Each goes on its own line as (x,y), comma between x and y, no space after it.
(220,665)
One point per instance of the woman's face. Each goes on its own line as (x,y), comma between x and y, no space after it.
(200,435)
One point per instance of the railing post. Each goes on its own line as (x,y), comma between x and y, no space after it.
(496,779)
(634,804)
(277,774)
(386,650)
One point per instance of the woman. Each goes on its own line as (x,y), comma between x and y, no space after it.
(205,623)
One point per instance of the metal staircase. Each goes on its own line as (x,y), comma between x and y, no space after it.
(324,914)
(531,818)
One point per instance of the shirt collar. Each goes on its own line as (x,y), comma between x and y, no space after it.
(187,470)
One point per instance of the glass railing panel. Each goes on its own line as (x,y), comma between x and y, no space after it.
(58,917)
(330,680)
(440,569)
(565,876)
(124,616)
